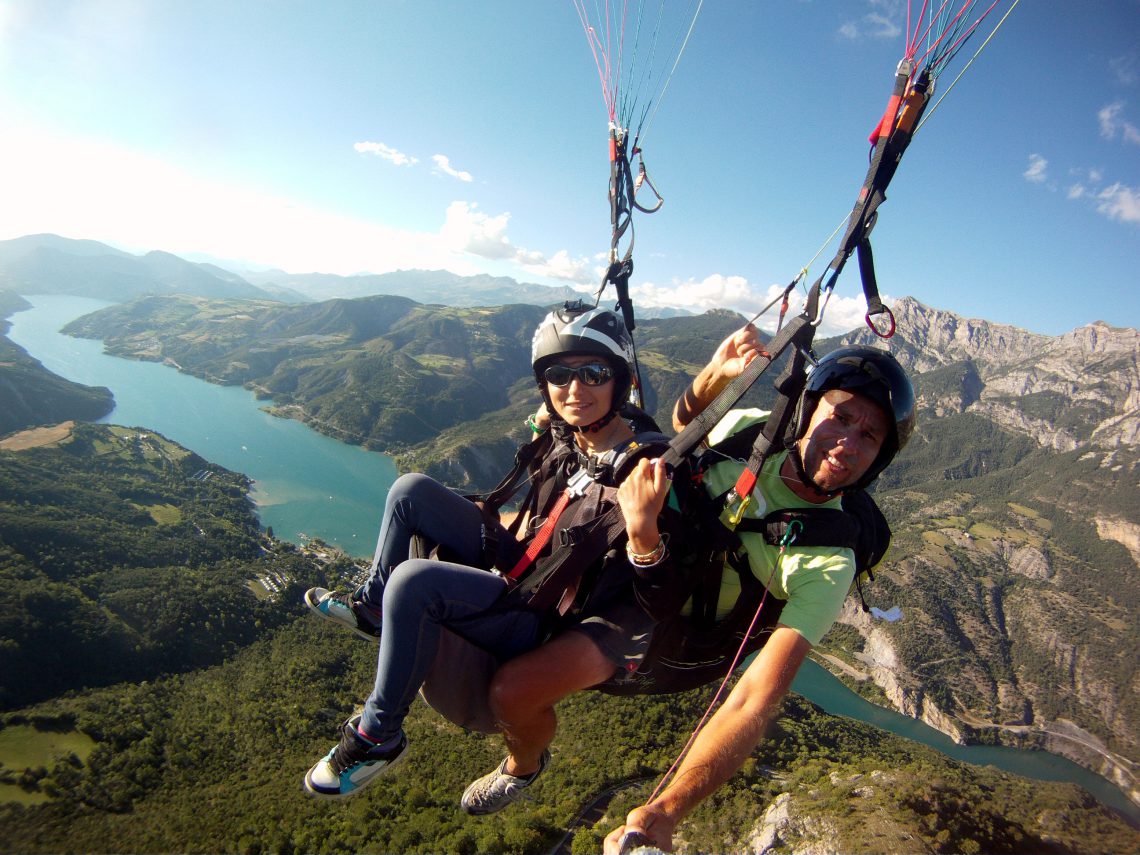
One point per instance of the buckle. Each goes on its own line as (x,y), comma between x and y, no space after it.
(578,484)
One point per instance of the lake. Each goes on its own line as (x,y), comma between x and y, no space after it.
(306,484)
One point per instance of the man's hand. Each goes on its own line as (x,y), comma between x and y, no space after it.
(727,363)
(653,824)
(736,351)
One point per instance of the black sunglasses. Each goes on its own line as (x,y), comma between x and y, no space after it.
(590,374)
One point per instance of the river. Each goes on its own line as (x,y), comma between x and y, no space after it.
(308,485)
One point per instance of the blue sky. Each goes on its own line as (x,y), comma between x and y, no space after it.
(372,136)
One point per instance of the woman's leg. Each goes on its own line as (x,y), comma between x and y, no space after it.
(417,504)
(525,690)
(421,598)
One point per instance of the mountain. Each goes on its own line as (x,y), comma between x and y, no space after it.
(1016,518)
(48,264)
(163,690)
(423,286)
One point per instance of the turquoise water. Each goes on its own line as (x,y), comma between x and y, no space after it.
(818,685)
(306,482)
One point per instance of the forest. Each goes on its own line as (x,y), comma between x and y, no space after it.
(198,698)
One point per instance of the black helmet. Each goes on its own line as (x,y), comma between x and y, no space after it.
(877,375)
(578,328)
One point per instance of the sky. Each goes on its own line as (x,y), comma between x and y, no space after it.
(352,136)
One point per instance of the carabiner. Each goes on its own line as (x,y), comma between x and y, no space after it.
(734,517)
(790,534)
(890,315)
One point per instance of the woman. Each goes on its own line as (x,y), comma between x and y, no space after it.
(581,359)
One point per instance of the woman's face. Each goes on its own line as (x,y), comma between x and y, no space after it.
(577,403)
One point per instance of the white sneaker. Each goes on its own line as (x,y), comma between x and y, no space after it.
(495,791)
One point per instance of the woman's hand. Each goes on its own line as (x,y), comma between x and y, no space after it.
(542,416)
(642,496)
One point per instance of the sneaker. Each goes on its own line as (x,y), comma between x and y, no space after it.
(345,609)
(495,791)
(352,764)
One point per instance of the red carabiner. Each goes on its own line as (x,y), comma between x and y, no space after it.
(890,332)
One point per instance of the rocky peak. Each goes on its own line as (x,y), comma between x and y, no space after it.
(1064,391)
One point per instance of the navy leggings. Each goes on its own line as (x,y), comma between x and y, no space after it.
(419,597)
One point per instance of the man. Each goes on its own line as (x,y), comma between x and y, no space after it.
(856,413)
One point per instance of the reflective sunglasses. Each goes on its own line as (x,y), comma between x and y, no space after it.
(590,374)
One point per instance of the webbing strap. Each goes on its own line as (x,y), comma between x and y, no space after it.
(542,537)
(790,386)
(798,331)
(890,139)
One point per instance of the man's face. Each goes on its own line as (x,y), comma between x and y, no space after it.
(843,439)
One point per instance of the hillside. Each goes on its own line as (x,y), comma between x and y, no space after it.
(1016,516)
(137,572)
(32,395)
(122,557)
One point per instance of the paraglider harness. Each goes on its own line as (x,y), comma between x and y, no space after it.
(571,495)
(692,649)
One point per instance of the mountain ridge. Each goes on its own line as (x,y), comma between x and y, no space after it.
(1019,485)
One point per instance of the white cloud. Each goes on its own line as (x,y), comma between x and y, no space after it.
(1120,202)
(1124,68)
(466,229)
(1036,169)
(1111,122)
(883,27)
(1076,191)
(89,189)
(443,164)
(881,22)
(718,291)
(559,266)
(386,152)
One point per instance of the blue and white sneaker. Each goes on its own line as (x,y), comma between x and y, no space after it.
(352,764)
(345,609)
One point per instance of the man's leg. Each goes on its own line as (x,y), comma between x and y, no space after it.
(523,694)
(525,690)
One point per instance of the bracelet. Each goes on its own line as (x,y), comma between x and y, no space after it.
(648,559)
(533,425)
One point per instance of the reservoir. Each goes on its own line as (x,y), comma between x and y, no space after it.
(305,484)
(308,485)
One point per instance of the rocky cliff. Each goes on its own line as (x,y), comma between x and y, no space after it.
(1017,540)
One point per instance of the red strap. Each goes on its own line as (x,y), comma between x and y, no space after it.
(541,538)
(745,482)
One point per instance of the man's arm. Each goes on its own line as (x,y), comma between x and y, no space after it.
(727,363)
(725,742)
